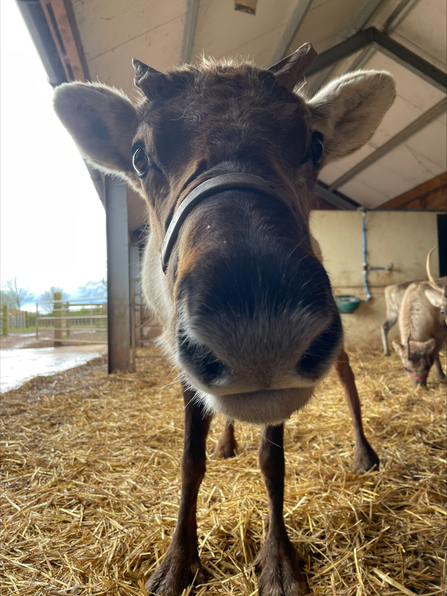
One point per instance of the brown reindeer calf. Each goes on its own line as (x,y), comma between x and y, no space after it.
(226,156)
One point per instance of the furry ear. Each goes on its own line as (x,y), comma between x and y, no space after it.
(349,109)
(102,122)
(428,346)
(399,348)
(436,298)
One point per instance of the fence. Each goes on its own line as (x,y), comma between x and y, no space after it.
(80,321)
(143,326)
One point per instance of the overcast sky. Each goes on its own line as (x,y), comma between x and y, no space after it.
(52,221)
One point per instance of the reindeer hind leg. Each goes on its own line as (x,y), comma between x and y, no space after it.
(227,445)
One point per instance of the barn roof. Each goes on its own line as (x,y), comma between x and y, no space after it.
(403,164)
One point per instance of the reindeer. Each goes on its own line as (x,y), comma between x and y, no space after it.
(435,292)
(422,325)
(394,294)
(226,155)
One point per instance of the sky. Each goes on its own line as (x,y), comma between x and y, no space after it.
(52,221)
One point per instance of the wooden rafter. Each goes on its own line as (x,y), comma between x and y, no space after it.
(60,18)
(431,194)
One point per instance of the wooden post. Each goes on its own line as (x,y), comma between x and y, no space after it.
(37,320)
(5,320)
(26,319)
(57,314)
(68,322)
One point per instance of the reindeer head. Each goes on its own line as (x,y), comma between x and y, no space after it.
(436,294)
(417,359)
(226,156)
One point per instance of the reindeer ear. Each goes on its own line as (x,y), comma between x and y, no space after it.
(399,348)
(434,297)
(102,122)
(349,109)
(290,70)
(428,346)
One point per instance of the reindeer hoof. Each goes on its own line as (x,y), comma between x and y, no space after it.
(175,573)
(365,459)
(224,452)
(226,448)
(281,573)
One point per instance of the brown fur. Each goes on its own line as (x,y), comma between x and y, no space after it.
(246,306)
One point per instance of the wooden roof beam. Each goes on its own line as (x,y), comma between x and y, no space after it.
(431,194)
(64,31)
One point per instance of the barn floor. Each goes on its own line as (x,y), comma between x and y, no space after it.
(90,486)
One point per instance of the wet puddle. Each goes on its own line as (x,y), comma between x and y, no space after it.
(20,365)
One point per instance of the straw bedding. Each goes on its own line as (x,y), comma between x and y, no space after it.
(91,480)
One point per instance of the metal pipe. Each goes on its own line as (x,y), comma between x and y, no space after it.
(365,266)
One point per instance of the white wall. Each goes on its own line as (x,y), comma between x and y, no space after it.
(402,239)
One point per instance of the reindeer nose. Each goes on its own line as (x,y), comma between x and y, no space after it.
(200,361)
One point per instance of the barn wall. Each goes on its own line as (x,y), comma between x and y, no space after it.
(402,239)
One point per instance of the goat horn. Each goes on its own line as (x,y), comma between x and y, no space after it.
(431,281)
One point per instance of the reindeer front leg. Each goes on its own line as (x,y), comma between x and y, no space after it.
(181,562)
(439,372)
(364,455)
(278,560)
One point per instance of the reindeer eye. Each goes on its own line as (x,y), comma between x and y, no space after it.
(140,162)
(316,148)
(315,151)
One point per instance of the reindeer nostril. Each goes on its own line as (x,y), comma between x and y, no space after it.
(201,362)
(319,352)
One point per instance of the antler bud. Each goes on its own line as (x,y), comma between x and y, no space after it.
(431,281)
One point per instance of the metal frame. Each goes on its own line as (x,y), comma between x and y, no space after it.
(335,199)
(40,32)
(392,143)
(189,34)
(391,23)
(118,283)
(382,42)
(360,22)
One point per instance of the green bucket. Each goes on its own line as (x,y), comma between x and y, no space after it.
(347,304)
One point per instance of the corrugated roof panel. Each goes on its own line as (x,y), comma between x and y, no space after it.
(108,24)
(423,31)
(409,85)
(160,48)
(327,23)
(224,32)
(400,170)
(334,170)
(430,144)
